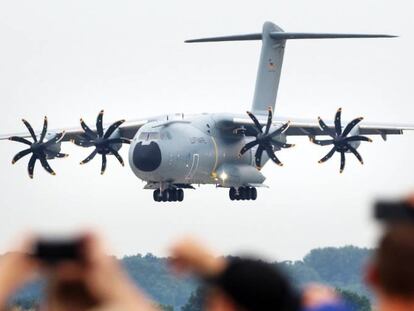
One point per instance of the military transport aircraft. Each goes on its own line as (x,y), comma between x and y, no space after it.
(174,152)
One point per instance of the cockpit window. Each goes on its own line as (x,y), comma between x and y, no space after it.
(153,135)
(165,135)
(143,136)
(149,136)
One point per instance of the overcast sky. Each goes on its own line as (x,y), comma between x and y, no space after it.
(67,59)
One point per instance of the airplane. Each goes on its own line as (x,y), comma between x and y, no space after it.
(174,152)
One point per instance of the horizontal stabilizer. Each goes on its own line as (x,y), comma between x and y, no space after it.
(300,35)
(248,37)
(289,36)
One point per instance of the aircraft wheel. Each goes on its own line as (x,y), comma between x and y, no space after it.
(242,193)
(165,196)
(253,193)
(180,195)
(170,195)
(232,193)
(157,195)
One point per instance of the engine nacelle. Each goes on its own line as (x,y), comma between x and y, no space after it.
(53,149)
(354,132)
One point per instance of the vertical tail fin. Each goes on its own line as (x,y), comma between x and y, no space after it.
(270,68)
(271,58)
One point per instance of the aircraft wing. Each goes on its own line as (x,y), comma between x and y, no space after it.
(128,129)
(311,128)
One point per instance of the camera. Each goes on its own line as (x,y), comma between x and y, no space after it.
(53,251)
(394,211)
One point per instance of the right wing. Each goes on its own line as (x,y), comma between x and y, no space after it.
(127,130)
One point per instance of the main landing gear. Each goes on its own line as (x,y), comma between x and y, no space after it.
(243,193)
(168,195)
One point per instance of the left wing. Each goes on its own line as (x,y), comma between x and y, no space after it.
(311,128)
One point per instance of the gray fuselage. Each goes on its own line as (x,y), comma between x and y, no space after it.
(191,150)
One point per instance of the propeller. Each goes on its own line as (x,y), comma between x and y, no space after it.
(266,140)
(341,140)
(40,149)
(103,141)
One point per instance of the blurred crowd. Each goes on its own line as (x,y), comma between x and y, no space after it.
(80,275)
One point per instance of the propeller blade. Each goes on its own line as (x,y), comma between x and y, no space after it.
(282,145)
(31,165)
(342,162)
(44,130)
(356,153)
(103,168)
(20,140)
(350,126)
(117,155)
(89,157)
(112,128)
(338,127)
(248,146)
(118,141)
(326,129)
(272,156)
(30,128)
(91,134)
(58,137)
(99,127)
(280,130)
(20,155)
(358,138)
(269,120)
(327,156)
(322,142)
(258,157)
(46,165)
(255,121)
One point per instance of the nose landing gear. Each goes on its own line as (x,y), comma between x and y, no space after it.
(243,193)
(168,195)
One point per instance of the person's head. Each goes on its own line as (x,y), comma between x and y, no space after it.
(391,273)
(237,283)
(251,285)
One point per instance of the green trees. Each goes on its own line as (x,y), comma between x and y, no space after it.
(338,267)
(358,302)
(196,301)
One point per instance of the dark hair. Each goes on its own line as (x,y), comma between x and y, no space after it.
(395,261)
(257,286)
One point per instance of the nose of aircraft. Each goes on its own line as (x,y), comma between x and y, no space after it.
(147,158)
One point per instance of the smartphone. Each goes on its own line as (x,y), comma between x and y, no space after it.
(52,251)
(394,211)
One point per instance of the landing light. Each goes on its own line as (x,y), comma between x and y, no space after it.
(223,176)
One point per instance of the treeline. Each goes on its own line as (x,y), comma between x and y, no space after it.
(341,268)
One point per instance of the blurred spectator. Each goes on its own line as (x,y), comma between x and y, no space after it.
(391,272)
(247,284)
(96,282)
